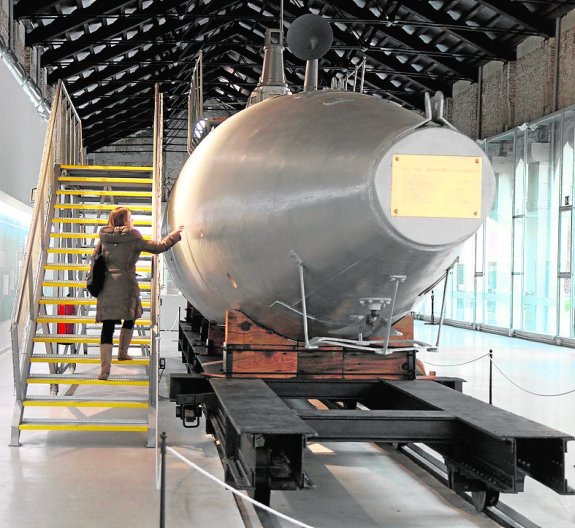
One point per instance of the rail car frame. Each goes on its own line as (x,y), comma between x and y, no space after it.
(263,426)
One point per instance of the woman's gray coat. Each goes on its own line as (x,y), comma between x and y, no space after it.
(120,296)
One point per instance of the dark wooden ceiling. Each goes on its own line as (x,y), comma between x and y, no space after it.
(112,53)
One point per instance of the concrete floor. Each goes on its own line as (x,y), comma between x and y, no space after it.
(62,479)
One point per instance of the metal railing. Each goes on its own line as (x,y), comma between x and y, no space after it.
(196,105)
(62,145)
(155,286)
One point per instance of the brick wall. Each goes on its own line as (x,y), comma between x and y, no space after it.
(521,91)
(136,150)
(567,69)
(535,83)
(27,57)
(464,110)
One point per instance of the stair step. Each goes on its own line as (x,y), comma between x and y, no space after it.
(96,221)
(72,251)
(83,338)
(87,359)
(96,169)
(104,180)
(87,379)
(97,192)
(145,256)
(78,319)
(103,207)
(84,301)
(135,348)
(76,284)
(47,424)
(133,402)
(86,267)
(85,235)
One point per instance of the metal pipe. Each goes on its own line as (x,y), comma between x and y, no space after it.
(442,313)
(11,24)
(479,102)
(362,75)
(557,59)
(299,262)
(397,279)
(310,83)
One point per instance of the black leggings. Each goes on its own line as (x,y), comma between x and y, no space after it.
(107,336)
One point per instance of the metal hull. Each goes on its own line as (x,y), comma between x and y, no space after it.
(312,173)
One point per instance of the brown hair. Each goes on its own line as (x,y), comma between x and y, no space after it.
(119,217)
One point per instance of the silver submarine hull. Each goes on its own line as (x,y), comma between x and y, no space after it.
(360,189)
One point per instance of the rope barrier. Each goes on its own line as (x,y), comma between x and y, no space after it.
(457,364)
(504,375)
(235,491)
(526,390)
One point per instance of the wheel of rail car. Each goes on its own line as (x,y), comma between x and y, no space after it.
(484,499)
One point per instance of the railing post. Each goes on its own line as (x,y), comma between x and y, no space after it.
(163,436)
(155,287)
(490,377)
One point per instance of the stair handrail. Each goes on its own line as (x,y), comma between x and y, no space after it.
(196,104)
(155,282)
(62,145)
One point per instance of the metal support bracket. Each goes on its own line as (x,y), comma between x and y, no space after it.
(396,279)
(299,262)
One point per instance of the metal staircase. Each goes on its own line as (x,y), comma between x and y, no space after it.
(55,339)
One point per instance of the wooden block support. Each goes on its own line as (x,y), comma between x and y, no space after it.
(255,351)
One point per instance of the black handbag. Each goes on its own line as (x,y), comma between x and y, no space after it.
(97,274)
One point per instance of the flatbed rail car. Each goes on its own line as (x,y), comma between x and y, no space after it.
(264,423)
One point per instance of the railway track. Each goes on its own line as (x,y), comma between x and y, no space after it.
(426,459)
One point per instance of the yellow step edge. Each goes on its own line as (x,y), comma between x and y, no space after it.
(84,427)
(74,284)
(80,381)
(71,251)
(101,207)
(89,361)
(95,192)
(134,168)
(82,403)
(80,302)
(80,251)
(79,320)
(87,340)
(86,235)
(86,267)
(100,179)
(96,221)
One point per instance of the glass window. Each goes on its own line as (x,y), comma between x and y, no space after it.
(517,272)
(568,137)
(565,305)
(565,238)
(540,242)
(498,240)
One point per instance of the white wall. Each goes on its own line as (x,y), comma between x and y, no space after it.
(22,132)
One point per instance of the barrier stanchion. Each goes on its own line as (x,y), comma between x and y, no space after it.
(490,377)
(163,436)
